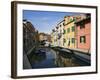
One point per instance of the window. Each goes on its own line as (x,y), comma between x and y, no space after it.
(71,19)
(63,24)
(82,39)
(73,40)
(74,19)
(73,28)
(64,31)
(69,42)
(64,40)
(82,25)
(68,30)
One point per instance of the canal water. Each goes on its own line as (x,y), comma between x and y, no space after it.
(52,59)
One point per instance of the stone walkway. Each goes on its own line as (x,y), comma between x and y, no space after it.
(82,50)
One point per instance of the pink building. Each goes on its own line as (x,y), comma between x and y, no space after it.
(83,33)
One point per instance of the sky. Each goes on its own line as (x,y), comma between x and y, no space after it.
(45,21)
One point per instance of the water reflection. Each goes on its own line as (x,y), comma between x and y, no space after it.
(50,58)
(65,60)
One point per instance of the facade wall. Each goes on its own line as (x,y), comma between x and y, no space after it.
(60,33)
(84,32)
(55,37)
(43,37)
(52,38)
(30,36)
(69,34)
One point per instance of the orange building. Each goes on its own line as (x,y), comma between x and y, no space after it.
(83,33)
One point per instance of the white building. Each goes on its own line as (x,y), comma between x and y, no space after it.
(60,34)
(57,35)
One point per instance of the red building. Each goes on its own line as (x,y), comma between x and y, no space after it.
(83,33)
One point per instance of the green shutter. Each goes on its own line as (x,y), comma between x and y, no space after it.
(71,20)
(74,19)
(68,30)
(73,28)
(73,40)
(64,40)
(64,31)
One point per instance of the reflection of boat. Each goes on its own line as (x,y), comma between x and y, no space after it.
(40,51)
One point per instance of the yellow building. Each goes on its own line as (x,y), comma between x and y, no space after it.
(69,32)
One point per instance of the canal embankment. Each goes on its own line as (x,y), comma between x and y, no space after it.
(26,59)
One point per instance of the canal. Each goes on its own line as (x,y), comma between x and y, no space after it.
(50,58)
